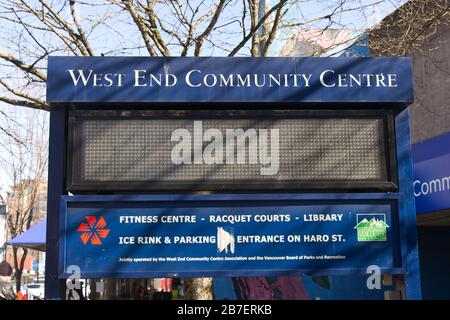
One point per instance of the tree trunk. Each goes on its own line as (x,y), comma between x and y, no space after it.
(94,295)
(18,266)
(18,279)
(198,288)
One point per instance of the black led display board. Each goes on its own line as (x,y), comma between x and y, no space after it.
(143,150)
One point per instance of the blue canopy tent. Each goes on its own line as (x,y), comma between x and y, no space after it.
(33,238)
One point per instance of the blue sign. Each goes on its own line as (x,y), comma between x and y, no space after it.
(432,184)
(228,238)
(432,174)
(183,79)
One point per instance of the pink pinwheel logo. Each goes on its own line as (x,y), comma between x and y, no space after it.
(93,230)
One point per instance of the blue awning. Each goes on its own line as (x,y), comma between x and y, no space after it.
(33,238)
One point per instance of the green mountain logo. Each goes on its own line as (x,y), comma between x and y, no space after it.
(374,229)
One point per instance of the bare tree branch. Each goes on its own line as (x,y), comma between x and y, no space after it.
(199,40)
(76,38)
(23,66)
(23,94)
(254,7)
(23,103)
(256,27)
(34,30)
(156,36)
(405,30)
(25,156)
(140,23)
(273,31)
(81,33)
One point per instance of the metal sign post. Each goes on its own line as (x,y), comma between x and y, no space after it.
(55,287)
